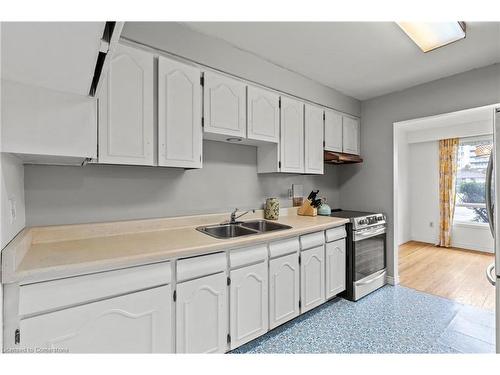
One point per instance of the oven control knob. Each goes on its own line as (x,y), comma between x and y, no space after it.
(362,222)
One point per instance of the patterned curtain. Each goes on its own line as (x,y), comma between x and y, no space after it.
(448,149)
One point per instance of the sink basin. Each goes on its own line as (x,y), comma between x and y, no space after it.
(226,230)
(239,229)
(264,225)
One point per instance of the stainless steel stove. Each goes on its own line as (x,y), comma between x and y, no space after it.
(366,252)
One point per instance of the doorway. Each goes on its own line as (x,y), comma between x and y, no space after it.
(455,270)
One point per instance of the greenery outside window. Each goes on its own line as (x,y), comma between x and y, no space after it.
(472,160)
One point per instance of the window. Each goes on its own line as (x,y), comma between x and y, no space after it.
(473,158)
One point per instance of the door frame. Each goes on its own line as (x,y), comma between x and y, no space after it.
(400,145)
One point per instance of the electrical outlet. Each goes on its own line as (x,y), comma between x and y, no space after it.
(13,210)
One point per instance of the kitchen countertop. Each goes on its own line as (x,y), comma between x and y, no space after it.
(46,253)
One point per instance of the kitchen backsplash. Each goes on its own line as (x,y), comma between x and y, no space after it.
(96,193)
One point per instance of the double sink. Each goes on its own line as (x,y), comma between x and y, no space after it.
(243,228)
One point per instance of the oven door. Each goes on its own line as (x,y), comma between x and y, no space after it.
(369,260)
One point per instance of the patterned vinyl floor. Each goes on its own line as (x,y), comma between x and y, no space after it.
(390,320)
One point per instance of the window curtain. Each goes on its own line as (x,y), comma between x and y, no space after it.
(448,149)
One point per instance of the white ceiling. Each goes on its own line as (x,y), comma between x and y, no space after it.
(360,59)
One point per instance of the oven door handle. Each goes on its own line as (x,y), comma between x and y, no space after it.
(377,276)
(372,233)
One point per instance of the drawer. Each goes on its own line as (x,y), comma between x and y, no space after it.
(192,268)
(279,248)
(247,255)
(308,241)
(335,234)
(57,294)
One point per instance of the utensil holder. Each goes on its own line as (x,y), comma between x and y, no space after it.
(307,210)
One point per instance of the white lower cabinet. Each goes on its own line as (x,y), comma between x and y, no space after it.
(249,303)
(335,268)
(284,291)
(83,314)
(133,323)
(312,280)
(201,315)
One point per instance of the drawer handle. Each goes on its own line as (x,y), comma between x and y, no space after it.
(372,279)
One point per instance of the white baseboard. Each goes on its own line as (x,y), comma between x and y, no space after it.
(429,240)
(392,280)
(460,245)
(474,247)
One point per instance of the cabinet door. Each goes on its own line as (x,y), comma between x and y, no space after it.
(38,121)
(249,303)
(179,115)
(224,105)
(202,315)
(134,323)
(312,281)
(313,140)
(335,267)
(350,135)
(333,131)
(292,136)
(283,289)
(126,124)
(263,122)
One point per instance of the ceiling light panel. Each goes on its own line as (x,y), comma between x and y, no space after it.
(431,35)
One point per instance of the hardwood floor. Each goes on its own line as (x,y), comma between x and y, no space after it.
(452,273)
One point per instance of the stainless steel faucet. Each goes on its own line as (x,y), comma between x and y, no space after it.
(233,217)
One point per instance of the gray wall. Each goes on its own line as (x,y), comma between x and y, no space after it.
(228,179)
(218,54)
(369,186)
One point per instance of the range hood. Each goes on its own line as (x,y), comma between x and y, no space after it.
(331,157)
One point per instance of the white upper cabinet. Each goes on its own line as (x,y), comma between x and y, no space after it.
(202,319)
(46,126)
(179,115)
(263,121)
(313,140)
(224,105)
(333,131)
(292,136)
(126,118)
(350,135)
(133,323)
